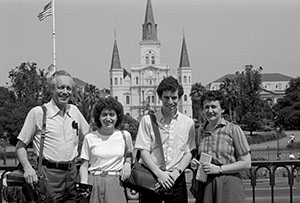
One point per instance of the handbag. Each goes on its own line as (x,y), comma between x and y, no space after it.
(142,179)
(196,186)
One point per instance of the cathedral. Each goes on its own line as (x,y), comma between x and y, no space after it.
(135,87)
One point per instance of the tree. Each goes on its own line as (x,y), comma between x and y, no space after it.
(197,92)
(231,91)
(7,100)
(288,109)
(86,98)
(29,83)
(29,89)
(131,125)
(249,82)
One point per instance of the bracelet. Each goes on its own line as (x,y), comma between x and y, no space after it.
(220,170)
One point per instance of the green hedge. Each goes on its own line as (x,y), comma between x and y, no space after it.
(260,137)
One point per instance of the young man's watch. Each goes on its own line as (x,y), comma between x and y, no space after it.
(179,171)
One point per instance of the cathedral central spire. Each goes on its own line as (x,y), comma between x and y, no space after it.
(149,26)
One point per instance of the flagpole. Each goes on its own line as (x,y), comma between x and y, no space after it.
(53,35)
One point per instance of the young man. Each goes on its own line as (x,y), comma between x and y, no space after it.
(65,126)
(230,151)
(177,135)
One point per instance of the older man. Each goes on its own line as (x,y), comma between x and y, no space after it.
(65,126)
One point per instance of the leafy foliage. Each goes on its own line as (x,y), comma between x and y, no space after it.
(231,91)
(131,125)
(242,99)
(258,138)
(28,89)
(289,107)
(86,99)
(197,92)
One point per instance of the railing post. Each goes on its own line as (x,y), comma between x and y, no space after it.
(291,182)
(272,182)
(253,182)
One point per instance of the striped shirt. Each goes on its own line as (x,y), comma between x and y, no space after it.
(226,142)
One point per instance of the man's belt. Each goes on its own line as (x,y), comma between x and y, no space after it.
(65,165)
(103,173)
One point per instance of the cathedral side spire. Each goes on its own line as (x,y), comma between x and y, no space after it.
(115,61)
(184,57)
(149,26)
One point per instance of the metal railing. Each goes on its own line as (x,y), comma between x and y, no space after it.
(271,167)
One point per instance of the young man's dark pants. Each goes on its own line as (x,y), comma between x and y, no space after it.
(179,194)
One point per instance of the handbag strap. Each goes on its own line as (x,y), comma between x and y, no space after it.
(161,161)
(127,153)
(43,135)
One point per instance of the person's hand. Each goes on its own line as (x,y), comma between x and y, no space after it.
(194,164)
(174,174)
(210,168)
(165,180)
(30,176)
(126,171)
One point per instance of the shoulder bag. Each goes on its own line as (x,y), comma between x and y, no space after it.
(142,179)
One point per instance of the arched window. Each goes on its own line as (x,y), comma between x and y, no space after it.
(120,81)
(153,100)
(111,81)
(136,80)
(116,97)
(152,59)
(127,100)
(184,79)
(116,81)
(179,79)
(147,59)
(189,79)
(185,97)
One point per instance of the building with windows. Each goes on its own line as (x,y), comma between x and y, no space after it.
(272,88)
(136,87)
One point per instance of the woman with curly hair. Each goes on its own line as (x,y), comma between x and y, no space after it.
(107,154)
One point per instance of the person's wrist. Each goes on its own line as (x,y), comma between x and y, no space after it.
(220,170)
(127,162)
(179,171)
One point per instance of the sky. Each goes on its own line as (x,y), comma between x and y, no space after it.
(221,36)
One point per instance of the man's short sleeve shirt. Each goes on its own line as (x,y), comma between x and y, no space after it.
(178,137)
(62,136)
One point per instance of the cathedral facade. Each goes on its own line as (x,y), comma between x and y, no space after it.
(136,87)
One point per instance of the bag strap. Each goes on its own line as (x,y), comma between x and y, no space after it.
(161,161)
(126,154)
(43,135)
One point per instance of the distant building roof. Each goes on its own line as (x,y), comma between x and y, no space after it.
(79,83)
(265,77)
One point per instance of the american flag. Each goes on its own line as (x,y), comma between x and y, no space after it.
(47,11)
